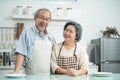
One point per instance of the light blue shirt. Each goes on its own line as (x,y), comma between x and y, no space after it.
(27,39)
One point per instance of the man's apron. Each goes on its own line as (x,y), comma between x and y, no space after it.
(39,63)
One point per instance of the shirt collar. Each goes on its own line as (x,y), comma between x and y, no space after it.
(38,31)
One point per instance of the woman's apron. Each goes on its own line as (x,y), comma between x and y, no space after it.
(39,63)
(68,62)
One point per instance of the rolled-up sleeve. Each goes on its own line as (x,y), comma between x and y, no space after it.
(22,45)
(53,62)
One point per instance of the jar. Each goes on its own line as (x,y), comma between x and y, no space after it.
(29,10)
(59,11)
(19,10)
(69,12)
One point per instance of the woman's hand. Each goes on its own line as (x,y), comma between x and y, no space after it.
(68,72)
(74,72)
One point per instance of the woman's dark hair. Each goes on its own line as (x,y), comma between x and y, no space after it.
(77,27)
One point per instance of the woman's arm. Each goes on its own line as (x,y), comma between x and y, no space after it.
(78,72)
(83,61)
(60,70)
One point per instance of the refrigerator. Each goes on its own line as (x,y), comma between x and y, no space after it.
(106,54)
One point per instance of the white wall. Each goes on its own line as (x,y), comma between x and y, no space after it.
(100,14)
(93,15)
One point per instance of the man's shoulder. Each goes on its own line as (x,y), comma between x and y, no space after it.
(29,29)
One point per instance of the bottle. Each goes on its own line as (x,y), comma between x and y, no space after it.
(4,58)
(8,62)
(1,59)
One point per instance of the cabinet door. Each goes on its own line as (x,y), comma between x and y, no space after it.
(110,49)
(110,67)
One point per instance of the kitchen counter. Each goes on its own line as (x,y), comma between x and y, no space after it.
(8,69)
(63,77)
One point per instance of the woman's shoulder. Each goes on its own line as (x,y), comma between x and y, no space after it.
(81,45)
(58,45)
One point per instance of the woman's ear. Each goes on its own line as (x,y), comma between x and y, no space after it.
(35,18)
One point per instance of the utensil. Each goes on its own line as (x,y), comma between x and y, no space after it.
(2,40)
(1,43)
(9,40)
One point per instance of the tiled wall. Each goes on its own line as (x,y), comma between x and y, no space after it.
(7,34)
(56,28)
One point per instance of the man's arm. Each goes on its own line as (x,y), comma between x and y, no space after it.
(18,63)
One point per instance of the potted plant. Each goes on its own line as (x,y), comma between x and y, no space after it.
(110,31)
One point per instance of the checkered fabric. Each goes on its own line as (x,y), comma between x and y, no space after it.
(67,63)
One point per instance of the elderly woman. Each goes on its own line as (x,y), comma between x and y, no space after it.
(69,57)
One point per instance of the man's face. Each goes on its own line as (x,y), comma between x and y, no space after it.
(42,20)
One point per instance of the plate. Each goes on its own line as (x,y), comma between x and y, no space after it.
(15,75)
(102,74)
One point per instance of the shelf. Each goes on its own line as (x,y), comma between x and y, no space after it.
(54,18)
(22,17)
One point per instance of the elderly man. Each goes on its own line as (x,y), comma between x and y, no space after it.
(34,47)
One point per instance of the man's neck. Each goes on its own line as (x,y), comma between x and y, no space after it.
(43,32)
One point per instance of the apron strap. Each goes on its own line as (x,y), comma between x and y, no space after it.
(60,49)
(74,50)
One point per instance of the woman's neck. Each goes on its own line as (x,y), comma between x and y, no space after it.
(69,45)
(72,43)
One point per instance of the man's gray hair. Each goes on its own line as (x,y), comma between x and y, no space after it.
(37,12)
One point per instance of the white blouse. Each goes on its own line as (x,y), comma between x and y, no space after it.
(81,54)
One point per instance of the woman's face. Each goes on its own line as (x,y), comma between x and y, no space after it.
(69,33)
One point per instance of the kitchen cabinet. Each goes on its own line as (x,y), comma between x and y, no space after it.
(107,54)
(54,18)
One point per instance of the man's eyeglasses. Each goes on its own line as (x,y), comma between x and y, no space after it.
(43,18)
